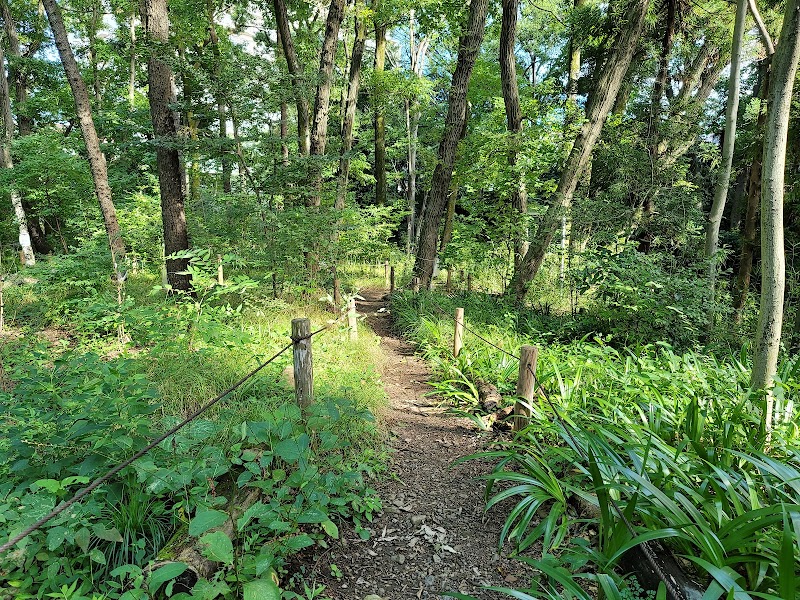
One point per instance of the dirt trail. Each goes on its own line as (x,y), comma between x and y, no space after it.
(433,535)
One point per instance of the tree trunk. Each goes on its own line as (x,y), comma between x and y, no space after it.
(773,276)
(412,127)
(609,81)
(132,61)
(6,163)
(508,79)
(350,109)
(380,117)
(296,74)
(319,130)
(97,160)
(654,128)
(728,142)
(469,46)
(573,71)
(161,93)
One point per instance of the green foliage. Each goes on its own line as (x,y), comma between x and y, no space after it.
(674,441)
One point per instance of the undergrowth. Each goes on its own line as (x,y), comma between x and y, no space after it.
(80,399)
(631,444)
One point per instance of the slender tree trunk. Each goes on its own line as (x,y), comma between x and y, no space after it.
(222,115)
(5,158)
(380,117)
(97,160)
(132,63)
(417,53)
(728,143)
(296,74)
(319,130)
(609,81)
(773,261)
(508,79)
(654,129)
(18,80)
(574,70)
(350,109)
(161,93)
(469,46)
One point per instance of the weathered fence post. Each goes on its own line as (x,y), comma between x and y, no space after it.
(303,368)
(352,316)
(220,278)
(458,336)
(391,279)
(526,385)
(415,284)
(469,282)
(386,272)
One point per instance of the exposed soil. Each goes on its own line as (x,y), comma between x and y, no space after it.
(433,535)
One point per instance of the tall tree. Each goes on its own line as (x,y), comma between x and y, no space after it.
(161,94)
(729,139)
(97,160)
(7,163)
(508,79)
(773,260)
(319,129)
(354,80)
(380,111)
(296,75)
(417,53)
(468,48)
(614,68)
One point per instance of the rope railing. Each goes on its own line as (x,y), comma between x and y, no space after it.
(82,493)
(652,560)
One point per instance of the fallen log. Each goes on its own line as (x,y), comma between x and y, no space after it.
(489,396)
(183,548)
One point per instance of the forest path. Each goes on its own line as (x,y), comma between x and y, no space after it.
(433,535)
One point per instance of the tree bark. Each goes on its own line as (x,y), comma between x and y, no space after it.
(417,53)
(5,158)
(600,104)
(773,261)
(724,175)
(296,74)
(161,93)
(380,117)
(319,130)
(350,109)
(469,46)
(132,60)
(97,160)
(508,81)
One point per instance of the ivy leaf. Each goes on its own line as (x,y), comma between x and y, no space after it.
(205,520)
(217,547)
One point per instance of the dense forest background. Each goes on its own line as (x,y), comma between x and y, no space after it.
(620,176)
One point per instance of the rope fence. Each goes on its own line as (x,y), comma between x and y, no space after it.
(300,343)
(528,385)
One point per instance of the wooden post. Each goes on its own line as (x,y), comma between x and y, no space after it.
(526,385)
(469,282)
(391,279)
(448,286)
(303,368)
(458,336)
(274,286)
(352,319)
(386,272)
(415,284)
(220,278)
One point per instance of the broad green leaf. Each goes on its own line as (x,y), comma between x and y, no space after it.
(96,555)
(206,519)
(109,535)
(166,573)
(217,547)
(262,589)
(56,537)
(331,529)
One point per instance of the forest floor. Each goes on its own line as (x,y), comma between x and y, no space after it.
(433,535)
